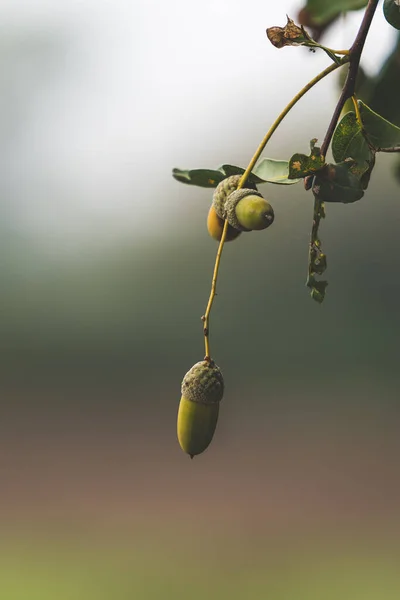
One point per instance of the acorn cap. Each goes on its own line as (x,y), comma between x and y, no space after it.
(203,383)
(223,190)
(231,203)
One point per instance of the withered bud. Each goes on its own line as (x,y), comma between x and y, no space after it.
(290,35)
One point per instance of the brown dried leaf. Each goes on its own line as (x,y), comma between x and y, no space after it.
(290,35)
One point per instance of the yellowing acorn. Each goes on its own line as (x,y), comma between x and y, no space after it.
(202,390)
(215,226)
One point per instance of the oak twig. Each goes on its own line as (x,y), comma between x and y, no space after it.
(350,83)
(348,91)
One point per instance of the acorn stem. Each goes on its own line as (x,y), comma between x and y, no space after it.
(206,319)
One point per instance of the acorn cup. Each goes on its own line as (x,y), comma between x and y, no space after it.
(202,390)
(223,190)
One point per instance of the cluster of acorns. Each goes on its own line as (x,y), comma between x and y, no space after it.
(203,385)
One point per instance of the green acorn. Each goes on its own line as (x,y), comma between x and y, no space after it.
(247,210)
(202,390)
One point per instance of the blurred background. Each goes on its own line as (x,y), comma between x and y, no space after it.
(105,271)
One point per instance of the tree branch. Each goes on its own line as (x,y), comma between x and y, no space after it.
(348,90)
(349,85)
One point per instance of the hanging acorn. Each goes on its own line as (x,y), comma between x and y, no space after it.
(202,390)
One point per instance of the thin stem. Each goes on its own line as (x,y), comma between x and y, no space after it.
(283,114)
(275,124)
(331,51)
(206,318)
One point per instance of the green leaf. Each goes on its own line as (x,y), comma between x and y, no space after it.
(360,142)
(391,10)
(268,170)
(336,183)
(301,165)
(380,132)
(349,142)
(230,170)
(274,171)
(383,93)
(325,10)
(201,177)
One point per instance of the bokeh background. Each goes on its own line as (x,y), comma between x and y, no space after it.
(105,271)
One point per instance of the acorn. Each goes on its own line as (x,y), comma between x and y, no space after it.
(247,210)
(215,226)
(202,390)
